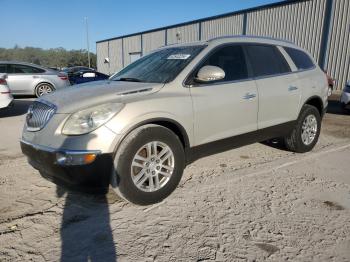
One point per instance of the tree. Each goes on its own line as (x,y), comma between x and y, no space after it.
(53,57)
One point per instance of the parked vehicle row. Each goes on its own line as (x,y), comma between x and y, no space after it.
(6,98)
(29,79)
(139,129)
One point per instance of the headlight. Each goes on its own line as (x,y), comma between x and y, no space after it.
(86,121)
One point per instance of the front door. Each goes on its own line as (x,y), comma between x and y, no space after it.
(20,79)
(228,107)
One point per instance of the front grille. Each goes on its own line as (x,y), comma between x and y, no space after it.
(39,113)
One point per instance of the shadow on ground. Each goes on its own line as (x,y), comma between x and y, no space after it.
(86,233)
(20,107)
(334,107)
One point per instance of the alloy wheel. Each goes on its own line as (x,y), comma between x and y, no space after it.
(152,166)
(44,89)
(309,130)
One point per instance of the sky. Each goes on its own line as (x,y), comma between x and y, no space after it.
(51,23)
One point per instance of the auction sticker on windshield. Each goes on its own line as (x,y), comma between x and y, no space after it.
(179,56)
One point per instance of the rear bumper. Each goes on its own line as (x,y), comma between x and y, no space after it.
(91,178)
(6,103)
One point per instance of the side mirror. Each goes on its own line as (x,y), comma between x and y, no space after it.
(209,73)
(89,74)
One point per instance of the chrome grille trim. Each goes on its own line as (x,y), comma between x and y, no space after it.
(39,113)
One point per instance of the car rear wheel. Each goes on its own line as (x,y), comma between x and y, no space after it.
(43,89)
(304,135)
(148,165)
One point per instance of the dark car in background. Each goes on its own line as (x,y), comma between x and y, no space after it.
(84,76)
(74,69)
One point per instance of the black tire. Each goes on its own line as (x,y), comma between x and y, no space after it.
(46,85)
(343,107)
(294,141)
(122,177)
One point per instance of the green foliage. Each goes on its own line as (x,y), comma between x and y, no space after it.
(54,57)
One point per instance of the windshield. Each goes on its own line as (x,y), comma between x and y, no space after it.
(159,67)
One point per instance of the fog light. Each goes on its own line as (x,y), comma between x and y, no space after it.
(73,159)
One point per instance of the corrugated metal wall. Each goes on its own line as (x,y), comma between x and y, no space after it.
(232,25)
(302,22)
(102,53)
(151,41)
(131,45)
(115,55)
(338,61)
(183,34)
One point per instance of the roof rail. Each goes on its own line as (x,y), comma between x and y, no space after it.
(251,37)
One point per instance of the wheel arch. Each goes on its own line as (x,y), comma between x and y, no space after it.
(317,102)
(171,124)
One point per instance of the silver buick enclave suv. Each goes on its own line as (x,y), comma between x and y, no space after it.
(139,129)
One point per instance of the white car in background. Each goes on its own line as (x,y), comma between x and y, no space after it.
(345,96)
(6,97)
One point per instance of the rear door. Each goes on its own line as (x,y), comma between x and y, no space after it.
(278,88)
(227,107)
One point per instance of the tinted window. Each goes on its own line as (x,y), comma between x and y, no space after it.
(301,60)
(266,60)
(24,69)
(231,59)
(3,68)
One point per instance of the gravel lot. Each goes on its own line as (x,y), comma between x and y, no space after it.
(255,203)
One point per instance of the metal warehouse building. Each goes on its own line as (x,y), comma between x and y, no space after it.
(320,26)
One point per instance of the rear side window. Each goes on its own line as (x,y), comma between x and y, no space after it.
(231,59)
(3,68)
(24,69)
(266,60)
(301,60)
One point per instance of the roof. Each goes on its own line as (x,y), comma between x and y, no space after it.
(25,63)
(281,3)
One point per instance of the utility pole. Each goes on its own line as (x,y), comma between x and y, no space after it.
(87,39)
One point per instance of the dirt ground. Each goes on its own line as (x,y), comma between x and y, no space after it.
(256,203)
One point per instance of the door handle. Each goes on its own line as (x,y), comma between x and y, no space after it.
(292,88)
(248,96)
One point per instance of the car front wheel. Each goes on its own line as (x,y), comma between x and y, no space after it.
(148,165)
(304,135)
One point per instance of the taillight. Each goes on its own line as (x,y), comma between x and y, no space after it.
(63,76)
(3,81)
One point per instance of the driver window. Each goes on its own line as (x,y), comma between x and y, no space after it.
(231,59)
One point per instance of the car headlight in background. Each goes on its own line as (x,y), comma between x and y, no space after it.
(86,121)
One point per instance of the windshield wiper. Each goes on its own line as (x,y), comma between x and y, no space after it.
(129,79)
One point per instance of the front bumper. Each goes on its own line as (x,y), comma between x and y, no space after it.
(91,178)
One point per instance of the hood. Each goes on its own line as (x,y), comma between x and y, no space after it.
(78,97)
